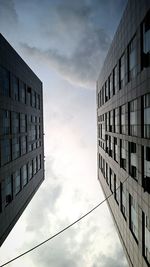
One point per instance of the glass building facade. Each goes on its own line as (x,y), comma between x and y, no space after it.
(123,112)
(21,136)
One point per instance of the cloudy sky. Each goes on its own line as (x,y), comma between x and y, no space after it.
(65,43)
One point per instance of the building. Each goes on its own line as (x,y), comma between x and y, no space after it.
(123,121)
(21,136)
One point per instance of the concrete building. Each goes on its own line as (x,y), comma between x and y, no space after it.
(123,121)
(21,136)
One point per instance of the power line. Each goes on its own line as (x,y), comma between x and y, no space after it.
(61,231)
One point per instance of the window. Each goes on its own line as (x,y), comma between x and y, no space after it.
(34,166)
(23,145)
(106,172)
(146,165)
(133,160)
(111,180)
(116,150)
(147,116)
(146,237)
(111,85)
(133,118)
(39,162)
(15,122)
(123,200)
(17,180)
(122,72)
(15,148)
(111,121)
(114,80)
(8,189)
(122,120)
(38,102)
(110,146)
(123,157)
(146,41)
(133,217)
(4,82)
(22,92)
(5,151)
(116,189)
(116,120)
(15,88)
(24,174)
(5,122)
(106,144)
(33,99)
(30,170)
(23,123)
(106,91)
(132,59)
(29,98)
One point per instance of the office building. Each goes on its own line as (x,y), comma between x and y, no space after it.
(21,136)
(123,123)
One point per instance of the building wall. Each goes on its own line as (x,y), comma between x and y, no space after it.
(123,112)
(21,136)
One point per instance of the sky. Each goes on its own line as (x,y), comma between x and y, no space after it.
(65,43)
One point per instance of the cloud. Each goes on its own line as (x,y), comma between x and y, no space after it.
(8,15)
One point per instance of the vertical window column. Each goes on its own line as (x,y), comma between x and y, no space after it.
(133,120)
(133,217)
(147,116)
(146,237)
(133,160)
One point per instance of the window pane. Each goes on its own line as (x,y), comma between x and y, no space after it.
(22,92)
(5,151)
(15,88)
(133,208)
(15,148)
(4,82)
(24,174)
(132,59)
(17,180)
(8,189)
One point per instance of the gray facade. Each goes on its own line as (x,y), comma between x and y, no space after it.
(21,136)
(123,136)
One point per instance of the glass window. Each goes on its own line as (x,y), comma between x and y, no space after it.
(5,151)
(133,160)
(111,85)
(132,59)
(15,148)
(24,174)
(110,146)
(111,180)
(23,123)
(133,216)
(146,41)
(146,165)
(23,145)
(123,156)
(116,189)
(8,189)
(15,122)
(116,149)
(122,118)
(15,88)
(106,91)
(33,99)
(30,170)
(133,118)
(147,116)
(5,122)
(22,92)
(34,166)
(115,80)
(38,102)
(29,98)
(122,72)
(17,180)
(4,82)
(146,237)
(111,120)
(116,120)
(123,200)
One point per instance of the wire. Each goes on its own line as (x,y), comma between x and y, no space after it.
(61,231)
